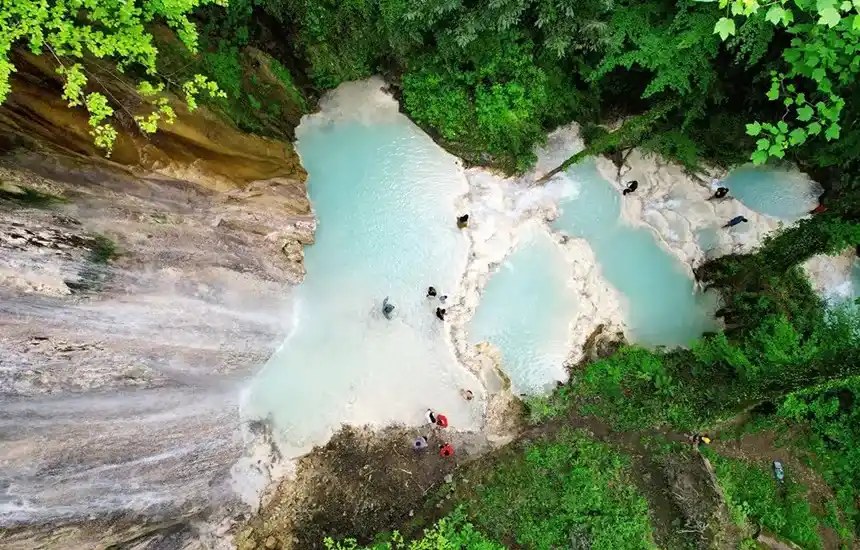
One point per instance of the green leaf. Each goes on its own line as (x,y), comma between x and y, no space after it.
(773,93)
(759,157)
(762,144)
(775,14)
(788,101)
(800,99)
(832,132)
(783,127)
(776,150)
(813,129)
(846,6)
(818,74)
(821,5)
(805,113)
(829,17)
(856,25)
(753,129)
(797,136)
(725,27)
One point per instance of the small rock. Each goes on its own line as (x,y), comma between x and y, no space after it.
(449,478)
(271,542)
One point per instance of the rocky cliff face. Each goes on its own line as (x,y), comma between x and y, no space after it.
(136,296)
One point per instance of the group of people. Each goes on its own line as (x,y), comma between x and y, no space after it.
(434,419)
(721,193)
(437,420)
(432,293)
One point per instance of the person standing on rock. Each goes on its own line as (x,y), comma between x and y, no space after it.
(463,221)
(440,313)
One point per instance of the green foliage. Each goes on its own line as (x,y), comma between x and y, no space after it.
(452,532)
(821,64)
(554,491)
(24,196)
(753,495)
(286,79)
(494,100)
(676,47)
(831,438)
(72,30)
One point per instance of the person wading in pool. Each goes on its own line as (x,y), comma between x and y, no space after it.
(463,221)
(440,313)
(387,308)
(632,186)
(431,292)
(735,221)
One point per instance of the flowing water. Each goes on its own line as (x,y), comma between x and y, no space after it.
(384,195)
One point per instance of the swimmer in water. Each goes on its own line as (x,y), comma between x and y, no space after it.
(387,308)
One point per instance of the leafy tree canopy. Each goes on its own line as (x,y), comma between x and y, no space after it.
(821,62)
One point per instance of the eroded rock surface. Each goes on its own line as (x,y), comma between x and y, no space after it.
(134,302)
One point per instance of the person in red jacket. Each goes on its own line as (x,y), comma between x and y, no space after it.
(446,450)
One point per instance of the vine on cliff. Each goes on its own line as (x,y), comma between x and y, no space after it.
(69,31)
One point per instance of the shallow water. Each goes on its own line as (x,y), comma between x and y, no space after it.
(778,193)
(525,312)
(661,304)
(384,196)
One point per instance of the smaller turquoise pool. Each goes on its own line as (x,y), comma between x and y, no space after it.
(778,193)
(662,306)
(525,311)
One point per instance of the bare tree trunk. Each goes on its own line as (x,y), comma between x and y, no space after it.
(632,132)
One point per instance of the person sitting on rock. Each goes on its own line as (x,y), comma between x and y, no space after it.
(463,221)
(440,313)
(446,450)
(420,443)
(721,192)
(632,186)
(431,292)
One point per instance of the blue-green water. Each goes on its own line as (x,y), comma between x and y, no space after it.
(778,193)
(383,193)
(661,304)
(525,311)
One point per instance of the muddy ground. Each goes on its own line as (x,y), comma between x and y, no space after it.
(362,482)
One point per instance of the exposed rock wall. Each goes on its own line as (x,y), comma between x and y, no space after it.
(136,296)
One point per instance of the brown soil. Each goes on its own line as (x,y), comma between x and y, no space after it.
(359,484)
